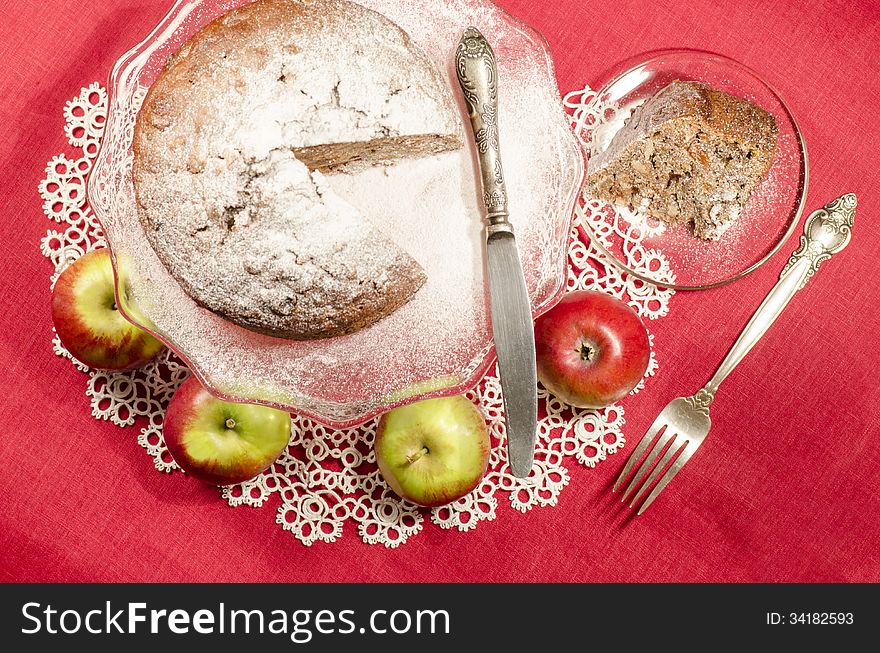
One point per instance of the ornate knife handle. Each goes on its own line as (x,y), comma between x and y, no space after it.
(826,232)
(478,77)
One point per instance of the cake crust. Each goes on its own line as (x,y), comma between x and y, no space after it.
(690,154)
(228,152)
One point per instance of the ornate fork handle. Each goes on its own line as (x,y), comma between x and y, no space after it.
(478,77)
(826,232)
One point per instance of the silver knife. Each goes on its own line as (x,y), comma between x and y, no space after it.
(512,325)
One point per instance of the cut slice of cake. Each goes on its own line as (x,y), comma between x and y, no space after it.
(689,154)
(286,256)
(229,144)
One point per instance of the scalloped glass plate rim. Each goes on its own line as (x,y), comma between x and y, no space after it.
(486,354)
(629,65)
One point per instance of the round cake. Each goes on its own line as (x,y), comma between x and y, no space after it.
(232,144)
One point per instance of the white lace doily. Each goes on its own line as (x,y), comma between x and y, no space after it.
(328,478)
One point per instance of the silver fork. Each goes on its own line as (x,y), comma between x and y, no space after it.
(685,421)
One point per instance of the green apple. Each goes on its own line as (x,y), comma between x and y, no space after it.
(88,321)
(221,442)
(433,452)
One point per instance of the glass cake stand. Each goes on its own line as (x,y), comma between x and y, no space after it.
(438,344)
(769,217)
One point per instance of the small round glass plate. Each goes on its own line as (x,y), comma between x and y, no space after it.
(440,343)
(769,217)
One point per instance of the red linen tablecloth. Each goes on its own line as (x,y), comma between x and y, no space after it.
(786,488)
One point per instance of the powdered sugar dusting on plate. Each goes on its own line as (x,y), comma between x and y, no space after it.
(430,207)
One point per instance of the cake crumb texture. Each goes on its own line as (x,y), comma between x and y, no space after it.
(232,144)
(689,154)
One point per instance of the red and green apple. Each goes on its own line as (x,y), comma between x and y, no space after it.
(222,442)
(89,323)
(592,349)
(433,452)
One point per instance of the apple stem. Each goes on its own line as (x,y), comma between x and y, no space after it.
(230,423)
(113,307)
(418,454)
(586,352)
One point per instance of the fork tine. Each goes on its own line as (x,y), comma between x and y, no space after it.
(673,449)
(648,463)
(669,475)
(639,450)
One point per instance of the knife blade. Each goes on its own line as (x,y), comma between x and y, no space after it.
(514,335)
(509,305)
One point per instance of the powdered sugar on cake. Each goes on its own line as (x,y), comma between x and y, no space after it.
(223,151)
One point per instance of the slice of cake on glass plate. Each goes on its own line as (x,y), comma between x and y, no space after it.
(689,154)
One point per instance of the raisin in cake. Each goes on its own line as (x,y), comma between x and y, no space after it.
(230,149)
(690,154)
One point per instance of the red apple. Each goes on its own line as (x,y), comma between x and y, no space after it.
(433,452)
(592,349)
(221,442)
(88,322)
